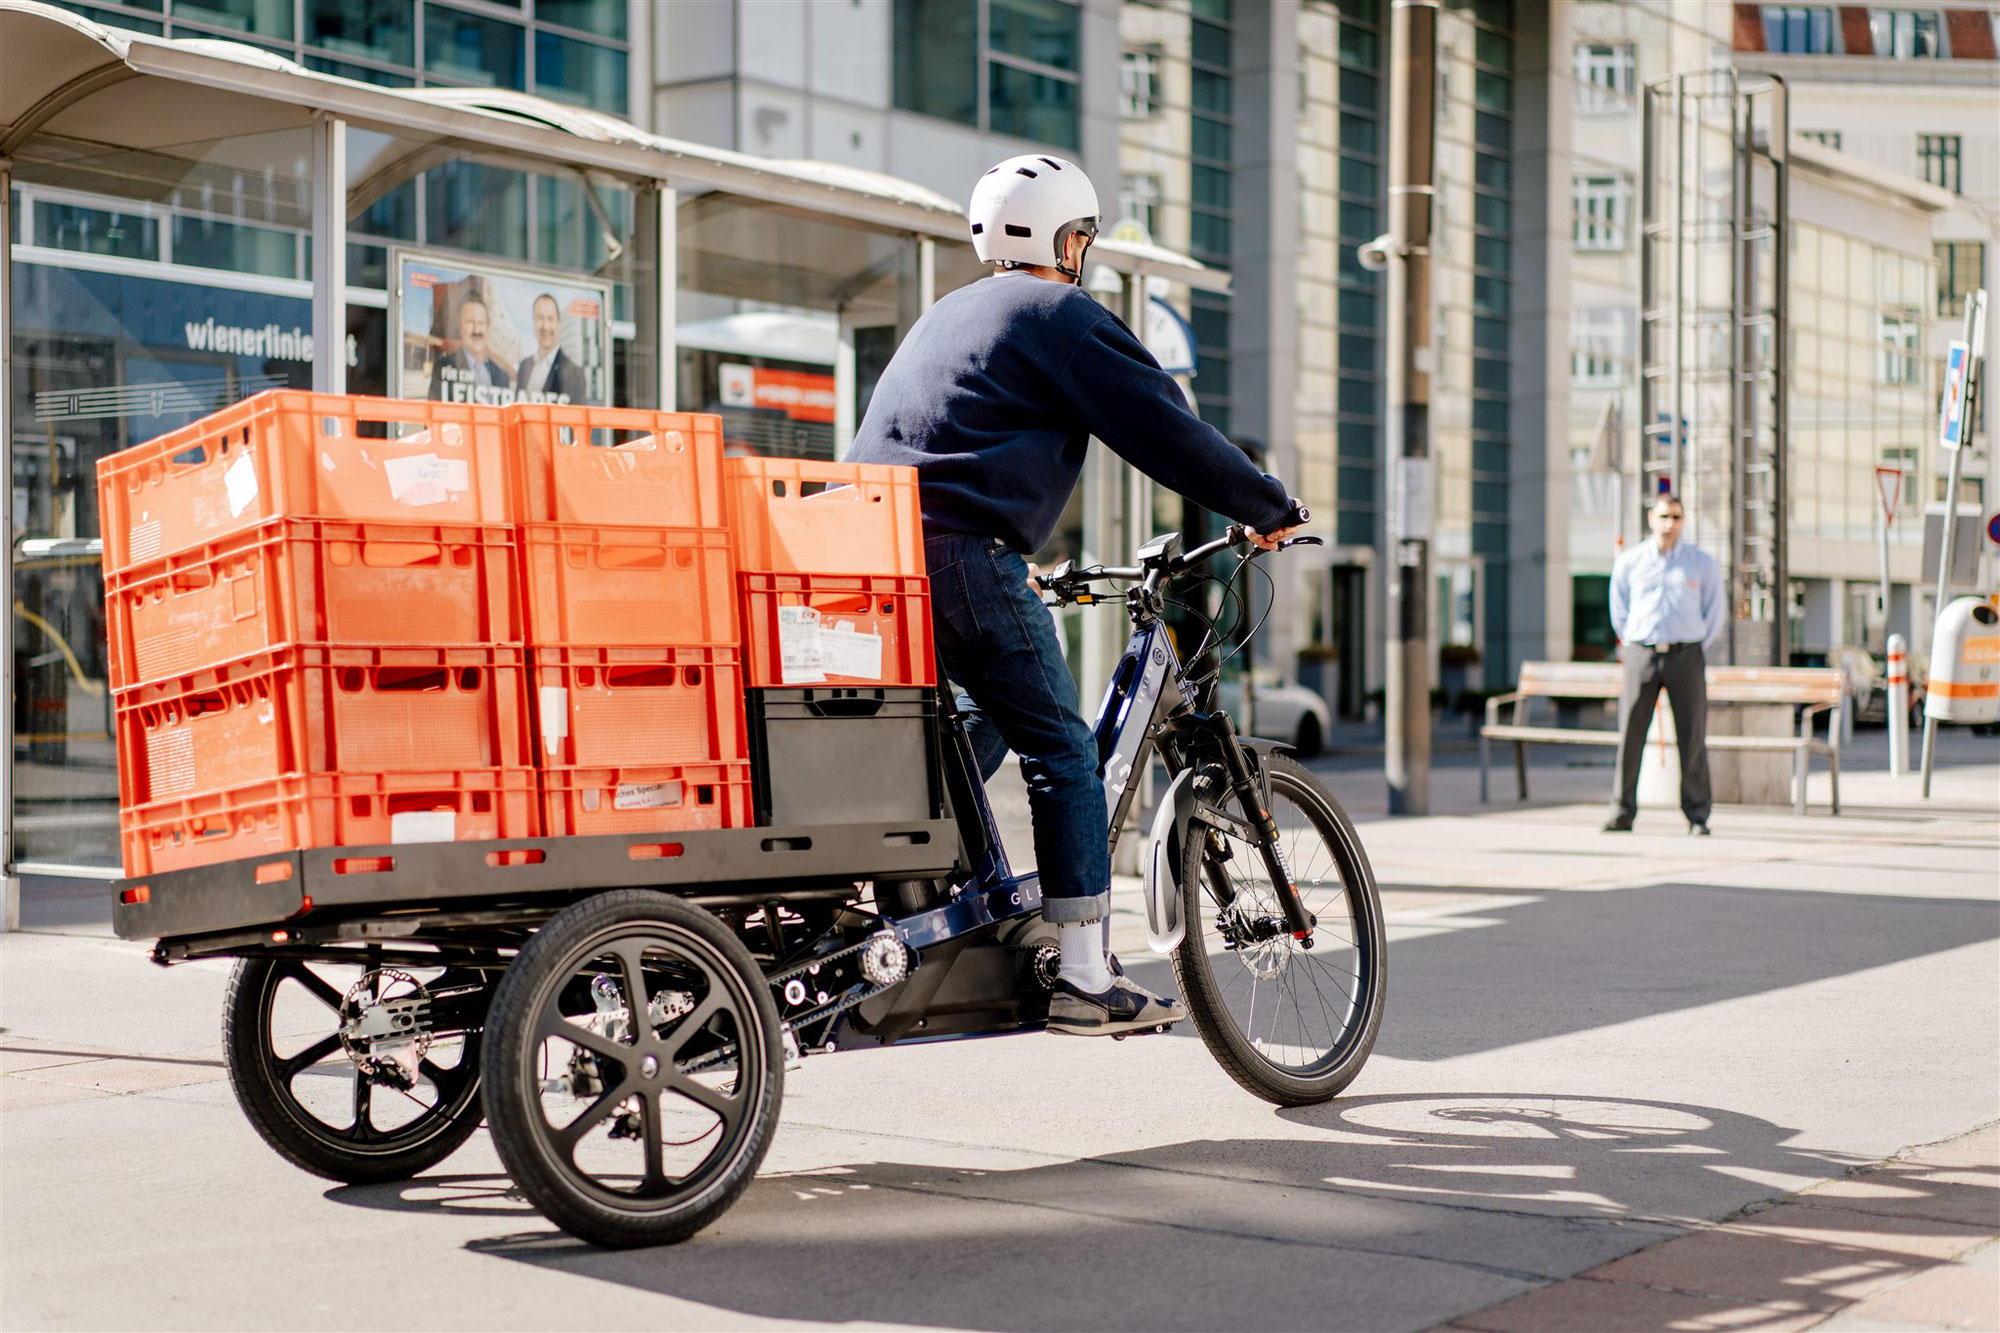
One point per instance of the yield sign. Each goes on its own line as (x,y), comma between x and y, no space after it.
(1888,488)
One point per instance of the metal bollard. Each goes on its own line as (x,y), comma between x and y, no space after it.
(1899,707)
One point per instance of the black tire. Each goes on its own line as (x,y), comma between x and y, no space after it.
(1309,740)
(294,1097)
(1242,1013)
(633,1083)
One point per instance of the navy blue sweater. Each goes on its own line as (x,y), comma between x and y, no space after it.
(993,397)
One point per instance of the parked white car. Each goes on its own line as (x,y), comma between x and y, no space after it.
(1285,710)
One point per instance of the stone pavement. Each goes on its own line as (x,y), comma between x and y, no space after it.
(1642,1081)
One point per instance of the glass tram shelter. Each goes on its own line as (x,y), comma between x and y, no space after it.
(190,222)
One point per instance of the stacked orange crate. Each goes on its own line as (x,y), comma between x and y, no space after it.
(837,634)
(634,649)
(832,579)
(315,631)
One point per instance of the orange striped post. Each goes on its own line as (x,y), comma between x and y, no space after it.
(1899,706)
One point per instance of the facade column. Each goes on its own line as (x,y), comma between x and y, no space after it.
(329,253)
(1540,605)
(10,883)
(1264,315)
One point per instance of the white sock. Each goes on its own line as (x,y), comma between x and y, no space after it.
(1082,944)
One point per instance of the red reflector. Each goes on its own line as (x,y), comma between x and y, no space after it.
(274,872)
(280,936)
(142,894)
(653,851)
(363,865)
(521,856)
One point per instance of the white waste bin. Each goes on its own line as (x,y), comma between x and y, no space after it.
(1964,681)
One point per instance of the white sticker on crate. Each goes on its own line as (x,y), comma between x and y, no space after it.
(554,701)
(646,795)
(426,479)
(240,480)
(846,651)
(798,646)
(423,826)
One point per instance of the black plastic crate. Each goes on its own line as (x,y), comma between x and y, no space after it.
(844,755)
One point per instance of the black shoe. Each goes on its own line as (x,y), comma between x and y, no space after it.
(1123,1008)
(1618,824)
(1698,827)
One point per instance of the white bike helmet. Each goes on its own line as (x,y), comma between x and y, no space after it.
(1023,211)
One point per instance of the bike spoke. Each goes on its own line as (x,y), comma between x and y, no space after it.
(289,1068)
(314,984)
(654,1181)
(631,955)
(729,1107)
(687,1027)
(364,1102)
(560,1026)
(569,1136)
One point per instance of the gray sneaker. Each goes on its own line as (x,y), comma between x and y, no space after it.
(1125,1007)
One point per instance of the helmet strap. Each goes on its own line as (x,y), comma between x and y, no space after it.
(1075,275)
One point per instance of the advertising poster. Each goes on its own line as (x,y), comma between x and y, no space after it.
(473,332)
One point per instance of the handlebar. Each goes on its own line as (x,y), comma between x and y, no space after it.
(1069,584)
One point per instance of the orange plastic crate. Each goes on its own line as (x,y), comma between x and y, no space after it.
(298,581)
(322,710)
(292,454)
(597,707)
(616,465)
(833,629)
(787,521)
(590,586)
(329,810)
(645,798)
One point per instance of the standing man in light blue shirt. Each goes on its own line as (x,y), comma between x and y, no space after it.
(1667,601)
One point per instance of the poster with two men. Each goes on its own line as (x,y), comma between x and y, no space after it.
(473,332)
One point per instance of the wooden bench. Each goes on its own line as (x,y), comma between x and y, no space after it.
(1816,689)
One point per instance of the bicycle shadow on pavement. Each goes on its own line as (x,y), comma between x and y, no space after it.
(1386,1212)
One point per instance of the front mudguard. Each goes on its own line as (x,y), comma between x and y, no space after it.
(1172,823)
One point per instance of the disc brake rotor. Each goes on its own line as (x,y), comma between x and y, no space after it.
(385,1027)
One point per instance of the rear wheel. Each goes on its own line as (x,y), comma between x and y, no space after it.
(337,1067)
(1292,1025)
(636,1066)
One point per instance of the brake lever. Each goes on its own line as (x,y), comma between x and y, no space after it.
(1301,541)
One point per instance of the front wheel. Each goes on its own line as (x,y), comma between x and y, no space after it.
(1292,1025)
(635,1065)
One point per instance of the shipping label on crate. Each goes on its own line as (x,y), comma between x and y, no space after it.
(809,650)
(646,795)
(426,479)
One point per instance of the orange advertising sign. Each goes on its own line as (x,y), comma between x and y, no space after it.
(800,395)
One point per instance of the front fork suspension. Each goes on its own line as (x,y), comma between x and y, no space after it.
(1249,793)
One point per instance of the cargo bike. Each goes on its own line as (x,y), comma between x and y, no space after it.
(621,1009)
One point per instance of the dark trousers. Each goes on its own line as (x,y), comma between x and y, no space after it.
(1679,671)
(999,647)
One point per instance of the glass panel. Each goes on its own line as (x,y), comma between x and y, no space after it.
(606,18)
(1357,352)
(1359,90)
(210,243)
(1358,46)
(937,58)
(1357,134)
(1492,173)
(1209,235)
(97,231)
(1211,139)
(1211,45)
(377,29)
(113,19)
(1495,49)
(1211,92)
(473,49)
(1358,177)
(1044,31)
(1491,131)
(474,207)
(1493,90)
(1031,106)
(1211,187)
(584,73)
(381,78)
(1359,440)
(1359,221)
(260,18)
(101,362)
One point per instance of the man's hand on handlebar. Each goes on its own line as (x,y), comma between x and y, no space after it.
(1271,541)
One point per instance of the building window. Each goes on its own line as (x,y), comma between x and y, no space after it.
(1800,30)
(1139,82)
(1906,34)
(1831,138)
(1937,159)
(1603,209)
(1597,349)
(1961,270)
(1604,73)
(1017,77)
(1139,196)
(1900,337)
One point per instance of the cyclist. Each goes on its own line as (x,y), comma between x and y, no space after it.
(993,396)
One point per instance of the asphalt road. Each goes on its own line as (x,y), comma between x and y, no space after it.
(1593,1044)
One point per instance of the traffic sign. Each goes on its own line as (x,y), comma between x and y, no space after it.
(1993,528)
(1888,488)
(1951,420)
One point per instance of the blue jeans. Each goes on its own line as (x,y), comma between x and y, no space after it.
(999,646)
